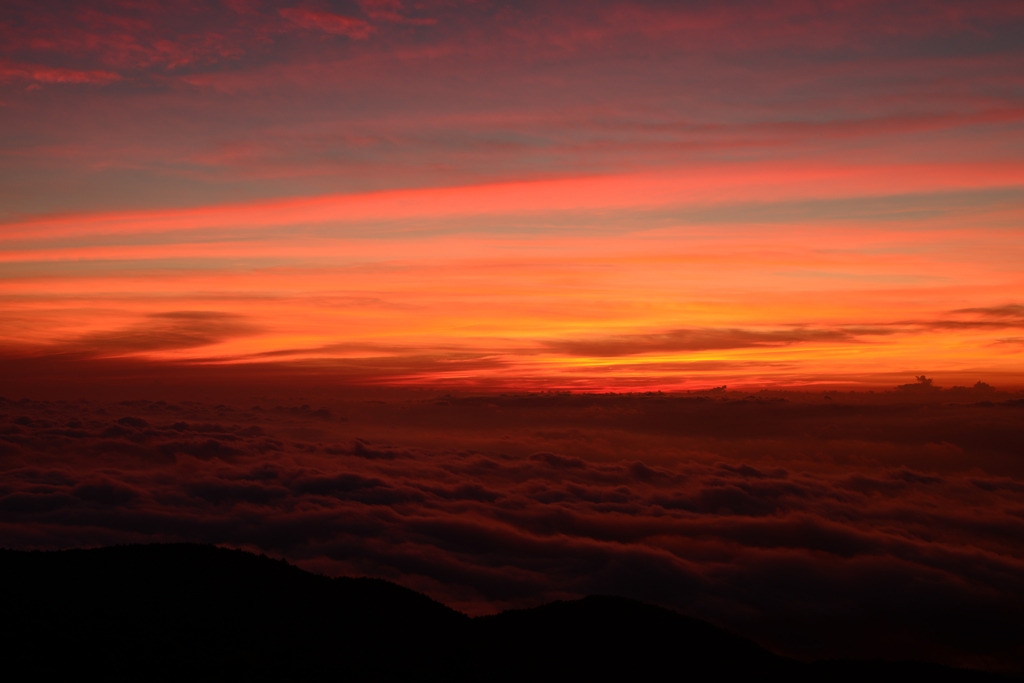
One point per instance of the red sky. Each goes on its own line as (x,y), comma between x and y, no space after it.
(298,229)
(589,195)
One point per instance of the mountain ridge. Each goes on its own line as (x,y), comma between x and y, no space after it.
(163,612)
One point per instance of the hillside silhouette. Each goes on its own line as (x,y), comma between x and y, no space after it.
(197,612)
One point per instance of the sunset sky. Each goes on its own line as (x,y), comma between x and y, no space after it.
(516,302)
(593,196)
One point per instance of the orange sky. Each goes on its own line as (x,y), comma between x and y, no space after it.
(659,281)
(615,210)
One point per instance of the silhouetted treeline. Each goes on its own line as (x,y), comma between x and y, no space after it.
(194,612)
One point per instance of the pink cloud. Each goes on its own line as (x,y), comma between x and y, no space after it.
(46,74)
(328,22)
(392,11)
(138,37)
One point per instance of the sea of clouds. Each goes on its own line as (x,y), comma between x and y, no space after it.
(820,525)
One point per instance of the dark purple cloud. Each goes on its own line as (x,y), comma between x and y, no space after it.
(163,331)
(700,340)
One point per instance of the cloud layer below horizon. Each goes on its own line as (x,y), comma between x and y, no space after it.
(837,525)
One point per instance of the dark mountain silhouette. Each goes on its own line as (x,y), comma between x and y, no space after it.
(195,612)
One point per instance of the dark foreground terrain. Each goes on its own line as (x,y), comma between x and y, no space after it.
(196,612)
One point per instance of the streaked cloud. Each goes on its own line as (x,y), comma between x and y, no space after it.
(47,74)
(615,195)
(161,332)
(697,340)
(328,22)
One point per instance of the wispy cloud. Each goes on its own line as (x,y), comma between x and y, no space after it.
(1005,311)
(47,74)
(328,22)
(393,11)
(167,331)
(675,341)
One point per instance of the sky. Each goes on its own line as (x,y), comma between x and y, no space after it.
(719,306)
(598,196)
